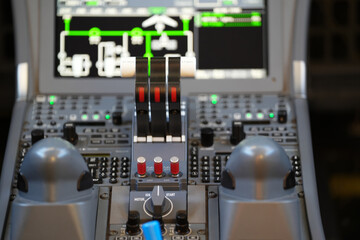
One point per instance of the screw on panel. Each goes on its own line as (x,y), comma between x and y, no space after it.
(301,194)
(113,233)
(104,196)
(12,197)
(212,194)
(191,182)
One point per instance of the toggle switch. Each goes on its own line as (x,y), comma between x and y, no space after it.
(36,135)
(237,132)
(70,134)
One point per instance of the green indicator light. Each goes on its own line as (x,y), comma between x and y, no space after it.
(84,117)
(157,10)
(91,3)
(107,116)
(271,115)
(51,102)
(96,117)
(228,2)
(52,97)
(248,115)
(214,99)
(260,115)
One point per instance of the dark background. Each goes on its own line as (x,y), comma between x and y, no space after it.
(334,100)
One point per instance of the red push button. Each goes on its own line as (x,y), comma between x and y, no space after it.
(141,166)
(174,165)
(158,165)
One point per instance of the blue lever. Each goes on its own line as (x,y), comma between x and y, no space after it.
(152,230)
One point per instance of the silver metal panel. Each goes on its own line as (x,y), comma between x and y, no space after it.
(308,170)
(10,160)
(119,205)
(23,40)
(196,206)
(102,213)
(300,27)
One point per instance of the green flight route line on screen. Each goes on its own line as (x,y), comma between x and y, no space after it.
(135,32)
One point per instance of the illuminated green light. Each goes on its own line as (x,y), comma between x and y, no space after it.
(107,116)
(84,117)
(91,3)
(228,2)
(52,99)
(271,115)
(157,10)
(214,99)
(248,115)
(96,116)
(260,115)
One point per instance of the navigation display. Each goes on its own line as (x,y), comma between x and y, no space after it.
(228,38)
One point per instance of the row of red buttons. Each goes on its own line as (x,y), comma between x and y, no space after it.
(158,166)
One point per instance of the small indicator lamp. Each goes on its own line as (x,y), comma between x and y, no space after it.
(260,115)
(271,115)
(52,99)
(96,116)
(107,116)
(248,115)
(84,117)
(214,99)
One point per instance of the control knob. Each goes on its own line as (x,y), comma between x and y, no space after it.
(133,223)
(158,205)
(207,137)
(182,224)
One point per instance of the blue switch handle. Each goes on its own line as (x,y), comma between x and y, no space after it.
(152,230)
